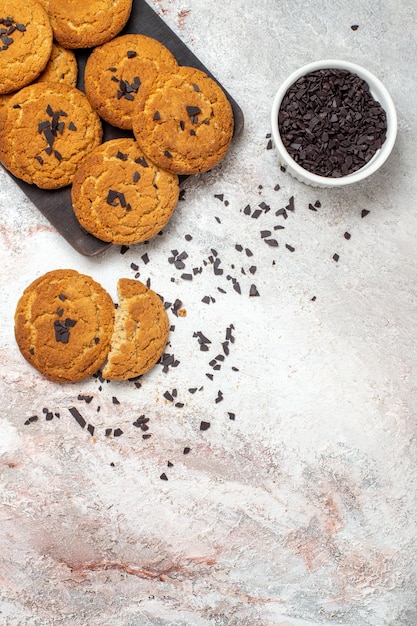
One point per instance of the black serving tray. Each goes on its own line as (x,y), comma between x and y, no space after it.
(56,205)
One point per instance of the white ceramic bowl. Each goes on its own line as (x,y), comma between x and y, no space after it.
(379,93)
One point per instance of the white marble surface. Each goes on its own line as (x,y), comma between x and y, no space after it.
(302,510)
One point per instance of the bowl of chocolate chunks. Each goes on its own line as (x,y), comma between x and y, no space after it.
(333,123)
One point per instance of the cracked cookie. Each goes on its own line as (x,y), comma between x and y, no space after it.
(140,332)
(25,43)
(87,24)
(121,197)
(45,131)
(117,72)
(184,124)
(63,325)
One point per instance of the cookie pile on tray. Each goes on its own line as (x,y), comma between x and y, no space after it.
(179,119)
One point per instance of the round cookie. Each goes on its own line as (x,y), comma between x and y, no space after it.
(63,325)
(78,24)
(45,131)
(184,125)
(61,68)
(119,196)
(119,71)
(140,332)
(26,43)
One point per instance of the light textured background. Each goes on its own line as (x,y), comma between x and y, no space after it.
(302,510)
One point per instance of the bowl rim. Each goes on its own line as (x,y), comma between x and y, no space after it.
(378,91)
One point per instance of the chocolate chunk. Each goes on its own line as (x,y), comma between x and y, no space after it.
(193,110)
(77,416)
(141,161)
(61,332)
(113,195)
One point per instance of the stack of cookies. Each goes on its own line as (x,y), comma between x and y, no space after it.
(177,119)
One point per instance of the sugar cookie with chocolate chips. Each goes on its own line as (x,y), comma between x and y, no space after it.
(61,68)
(63,325)
(25,43)
(140,332)
(45,131)
(121,197)
(118,72)
(185,124)
(88,23)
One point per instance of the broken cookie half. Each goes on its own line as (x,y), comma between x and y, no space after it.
(140,332)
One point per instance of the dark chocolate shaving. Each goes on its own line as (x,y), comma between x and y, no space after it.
(5,33)
(193,110)
(127,90)
(141,161)
(113,196)
(78,417)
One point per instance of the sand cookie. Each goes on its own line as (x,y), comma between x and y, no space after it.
(140,333)
(119,196)
(185,124)
(25,45)
(88,23)
(63,325)
(45,131)
(61,68)
(117,73)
